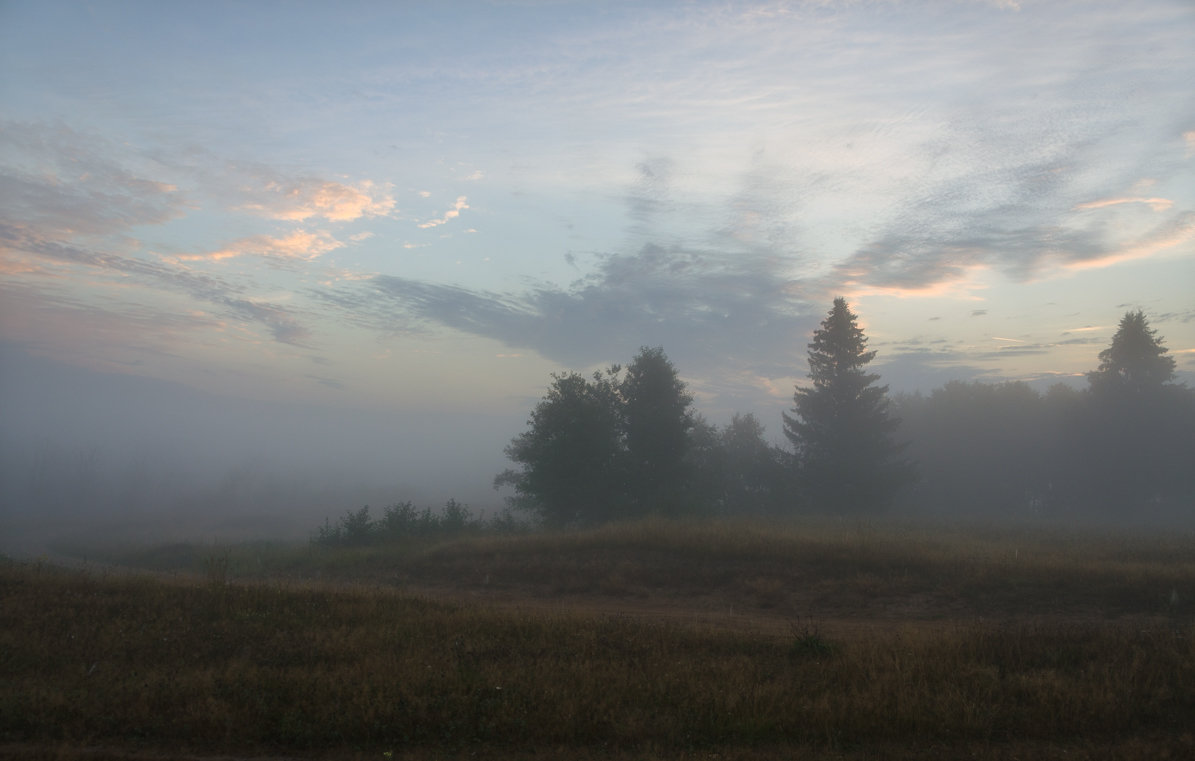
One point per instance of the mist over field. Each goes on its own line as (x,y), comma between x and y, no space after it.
(87,455)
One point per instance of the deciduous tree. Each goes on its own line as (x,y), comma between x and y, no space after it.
(571,453)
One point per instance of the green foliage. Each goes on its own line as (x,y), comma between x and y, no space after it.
(841,429)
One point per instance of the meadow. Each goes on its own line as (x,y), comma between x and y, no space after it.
(651,640)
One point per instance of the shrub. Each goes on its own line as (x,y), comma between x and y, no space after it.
(403,520)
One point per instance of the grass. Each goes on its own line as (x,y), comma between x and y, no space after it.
(615,643)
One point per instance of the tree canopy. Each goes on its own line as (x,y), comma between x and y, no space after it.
(609,447)
(571,452)
(656,422)
(1124,448)
(841,430)
(627,443)
(1135,363)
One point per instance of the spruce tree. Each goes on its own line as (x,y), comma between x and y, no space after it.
(1135,363)
(841,431)
(657,418)
(1133,444)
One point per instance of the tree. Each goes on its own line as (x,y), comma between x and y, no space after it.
(1135,363)
(1134,441)
(657,420)
(981,448)
(841,430)
(752,472)
(705,466)
(732,470)
(571,453)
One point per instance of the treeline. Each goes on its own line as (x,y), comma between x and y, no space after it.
(1005,449)
(1122,448)
(627,443)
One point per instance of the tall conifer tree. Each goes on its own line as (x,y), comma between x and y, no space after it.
(1135,363)
(846,459)
(657,416)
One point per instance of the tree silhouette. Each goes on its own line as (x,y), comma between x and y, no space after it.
(607,448)
(1135,440)
(1135,363)
(657,420)
(989,448)
(752,471)
(571,453)
(841,431)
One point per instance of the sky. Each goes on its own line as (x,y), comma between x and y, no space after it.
(394,221)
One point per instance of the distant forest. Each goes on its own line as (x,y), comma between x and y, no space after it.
(627,442)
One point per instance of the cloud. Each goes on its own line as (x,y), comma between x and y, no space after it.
(328,382)
(230,298)
(58,183)
(940,242)
(298,199)
(1173,232)
(907,371)
(460,205)
(299,245)
(709,310)
(1157,204)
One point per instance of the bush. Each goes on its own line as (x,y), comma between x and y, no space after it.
(403,520)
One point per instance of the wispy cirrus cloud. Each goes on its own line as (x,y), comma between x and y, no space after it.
(234,300)
(1024,221)
(1157,204)
(58,183)
(1166,237)
(301,245)
(75,203)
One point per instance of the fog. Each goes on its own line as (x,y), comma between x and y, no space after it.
(90,458)
(87,455)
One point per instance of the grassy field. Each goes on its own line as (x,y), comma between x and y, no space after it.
(653,640)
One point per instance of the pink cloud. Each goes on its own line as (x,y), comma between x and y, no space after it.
(306,198)
(1157,204)
(301,245)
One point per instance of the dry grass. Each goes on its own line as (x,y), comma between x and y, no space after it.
(207,665)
